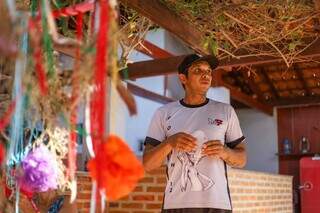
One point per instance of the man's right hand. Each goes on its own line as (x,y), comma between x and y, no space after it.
(182,142)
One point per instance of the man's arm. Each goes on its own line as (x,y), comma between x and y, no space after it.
(235,157)
(154,156)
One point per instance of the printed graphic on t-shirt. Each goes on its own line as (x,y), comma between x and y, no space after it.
(194,180)
(191,178)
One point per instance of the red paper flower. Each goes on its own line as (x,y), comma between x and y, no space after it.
(115,168)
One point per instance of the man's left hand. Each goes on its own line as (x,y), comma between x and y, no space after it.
(214,149)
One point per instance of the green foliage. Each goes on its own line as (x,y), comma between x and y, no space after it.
(275,25)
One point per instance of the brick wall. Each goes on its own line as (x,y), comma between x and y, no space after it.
(258,192)
(251,192)
(84,192)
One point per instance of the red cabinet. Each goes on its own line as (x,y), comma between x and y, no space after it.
(310,184)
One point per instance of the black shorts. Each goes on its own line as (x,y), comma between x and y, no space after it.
(196,210)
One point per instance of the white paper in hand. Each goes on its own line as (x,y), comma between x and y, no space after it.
(201,139)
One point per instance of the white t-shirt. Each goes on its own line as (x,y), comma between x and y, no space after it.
(196,181)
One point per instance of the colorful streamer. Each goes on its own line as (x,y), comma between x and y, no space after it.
(15,153)
(47,41)
(5,120)
(72,154)
(98,104)
(42,79)
(37,55)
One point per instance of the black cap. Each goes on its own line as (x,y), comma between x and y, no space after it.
(192,58)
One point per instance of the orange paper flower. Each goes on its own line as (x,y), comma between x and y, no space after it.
(115,168)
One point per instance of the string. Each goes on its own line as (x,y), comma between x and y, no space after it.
(16,129)
(47,41)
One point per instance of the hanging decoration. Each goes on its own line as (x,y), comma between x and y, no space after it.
(74,107)
(98,99)
(39,171)
(2,153)
(42,157)
(5,120)
(8,46)
(115,168)
(56,141)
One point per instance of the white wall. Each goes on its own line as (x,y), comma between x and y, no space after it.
(176,47)
(220,94)
(260,131)
(136,127)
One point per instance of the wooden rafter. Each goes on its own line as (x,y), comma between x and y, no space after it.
(169,65)
(152,50)
(253,86)
(244,58)
(309,88)
(317,4)
(270,83)
(161,15)
(239,96)
(239,81)
(154,67)
(298,71)
(141,92)
(313,52)
(161,66)
(296,101)
(167,19)
(316,20)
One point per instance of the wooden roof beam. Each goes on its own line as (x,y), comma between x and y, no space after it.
(245,58)
(152,50)
(253,86)
(162,16)
(298,71)
(316,19)
(237,95)
(141,92)
(270,83)
(155,66)
(312,52)
(296,101)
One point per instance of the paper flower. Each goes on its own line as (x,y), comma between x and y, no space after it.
(115,168)
(39,171)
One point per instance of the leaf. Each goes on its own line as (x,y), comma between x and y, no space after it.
(226,45)
(292,46)
(206,43)
(221,20)
(214,47)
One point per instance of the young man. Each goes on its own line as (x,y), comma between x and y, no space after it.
(198,137)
